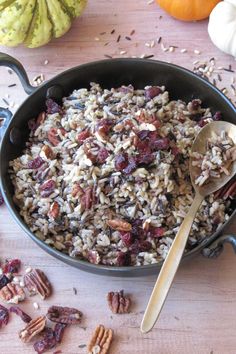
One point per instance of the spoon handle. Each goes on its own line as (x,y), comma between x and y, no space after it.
(169,268)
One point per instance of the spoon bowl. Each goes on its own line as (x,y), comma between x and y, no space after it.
(176,251)
(199,145)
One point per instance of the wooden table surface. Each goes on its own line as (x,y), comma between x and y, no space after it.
(199,314)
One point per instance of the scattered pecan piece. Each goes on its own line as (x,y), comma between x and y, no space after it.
(17,310)
(54,137)
(12,293)
(65,315)
(46,152)
(33,328)
(37,283)
(120,225)
(4,316)
(118,302)
(54,210)
(87,199)
(100,341)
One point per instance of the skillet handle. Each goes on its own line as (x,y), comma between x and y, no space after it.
(5,117)
(17,67)
(215,249)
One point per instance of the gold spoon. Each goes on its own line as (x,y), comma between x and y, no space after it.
(175,253)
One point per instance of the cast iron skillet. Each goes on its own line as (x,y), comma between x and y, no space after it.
(180,82)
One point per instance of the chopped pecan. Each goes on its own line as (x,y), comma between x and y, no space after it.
(54,210)
(46,152)
(119,225)
(33,328)
(41,118)
(87,199)
(37,283)
(66,315)
(100,341)
(118,302)
(54,137)
(76,190)
(12,293)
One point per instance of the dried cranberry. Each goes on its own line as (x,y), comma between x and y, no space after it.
(4,316)
(196,103)
(137,229)
(53,107)
(123,259)
(202,122)
(145,158)
(132,165)
(151,92)
(102,155)
(175,151)
(104,126)
(1,199)
(134,249)
(126,89)
(4,280)
(217,116)
(144,246)
(127,238)
(161,144)
(59,331)
(48,342)
(17,310)
(156,231)
(32,124)
(143,134)
(12,266)
(35,163)
(83,136)
(121,161)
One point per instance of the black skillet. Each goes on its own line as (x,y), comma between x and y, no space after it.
(180,83)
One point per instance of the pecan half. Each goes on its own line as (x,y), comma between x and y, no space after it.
(118,302)
(54,210)
(46,152)
(66,315)
(100,341)
(120,225)
(32,329)
(37,283)
(12,293)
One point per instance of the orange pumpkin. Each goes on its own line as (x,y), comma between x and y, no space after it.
(188,10)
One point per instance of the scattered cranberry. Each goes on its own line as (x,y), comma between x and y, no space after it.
(123,259)
(59,331)
(1,199)
(4,280)
(48,342)
(175,151)
(53,107)
(143,134)
(121,161)
(127,238)
(151,92)
(4,316)
(83,136)
(35,163)
(102,155)
(156,231)
(126,89)
(217,116)
(145,158)
(132,165)
(12,266)
(17,310)
(137,229)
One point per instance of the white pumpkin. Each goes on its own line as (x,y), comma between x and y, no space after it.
(222,26)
